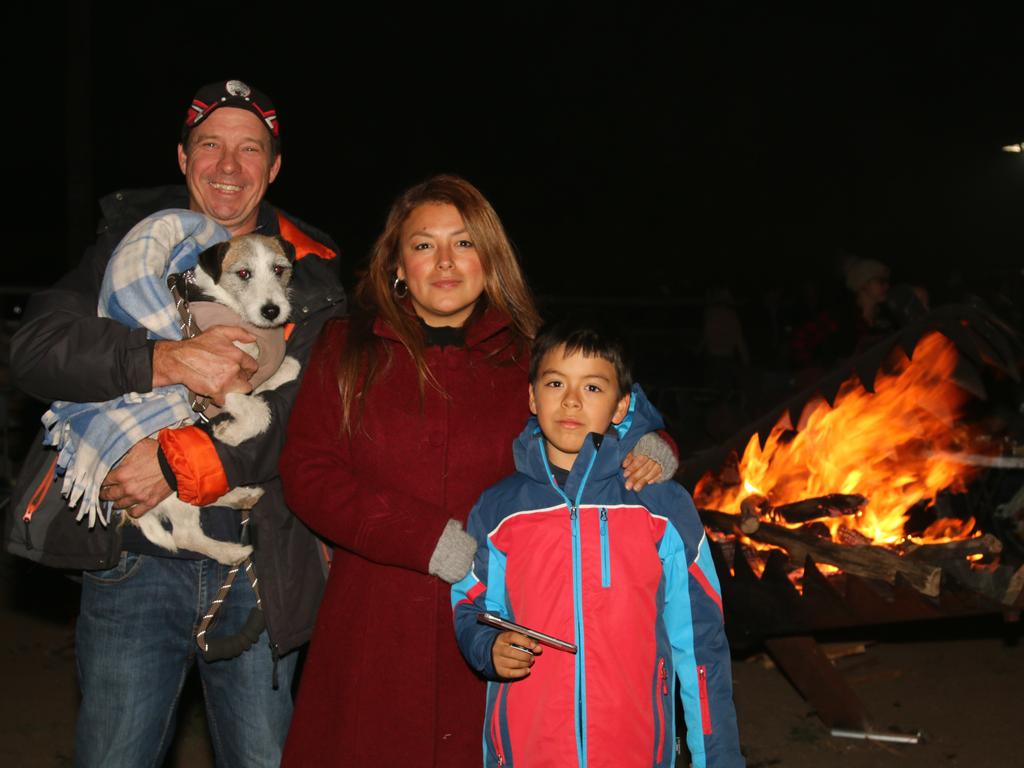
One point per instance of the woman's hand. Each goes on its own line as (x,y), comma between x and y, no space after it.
(640,470)
(510,662)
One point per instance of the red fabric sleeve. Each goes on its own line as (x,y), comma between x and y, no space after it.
(194,460)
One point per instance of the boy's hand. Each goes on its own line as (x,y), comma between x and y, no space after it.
(640,470)
(510,662)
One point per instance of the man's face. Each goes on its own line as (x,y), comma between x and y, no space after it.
(572,397)
(228,168)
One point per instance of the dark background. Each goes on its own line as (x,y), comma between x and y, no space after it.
(631,150)
(644,158)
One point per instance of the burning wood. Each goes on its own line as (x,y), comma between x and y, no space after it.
(832,505)
(865,461)
(867,561)
(987,545)
(756,507)
(840,487)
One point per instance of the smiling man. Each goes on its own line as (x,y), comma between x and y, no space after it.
(141,604)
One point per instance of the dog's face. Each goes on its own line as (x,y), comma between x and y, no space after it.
(249,274)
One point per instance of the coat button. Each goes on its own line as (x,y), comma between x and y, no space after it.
(436,438)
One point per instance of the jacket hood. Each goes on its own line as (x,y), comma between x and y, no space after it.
(610,449)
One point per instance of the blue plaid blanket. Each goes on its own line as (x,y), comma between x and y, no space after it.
(93,437)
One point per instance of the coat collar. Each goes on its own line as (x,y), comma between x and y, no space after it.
(479,330)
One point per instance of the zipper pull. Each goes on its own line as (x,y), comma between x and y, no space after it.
(572,512)
(604,514)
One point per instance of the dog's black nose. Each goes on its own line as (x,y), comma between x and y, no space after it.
(270,311)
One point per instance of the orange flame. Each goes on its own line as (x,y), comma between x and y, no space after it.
(891,446)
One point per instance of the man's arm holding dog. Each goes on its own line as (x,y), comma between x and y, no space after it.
(63,351)
(206,468)
(209,364)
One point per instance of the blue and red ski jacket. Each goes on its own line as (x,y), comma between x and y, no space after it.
(628,578)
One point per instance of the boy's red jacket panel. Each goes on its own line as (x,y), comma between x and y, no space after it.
(629,579)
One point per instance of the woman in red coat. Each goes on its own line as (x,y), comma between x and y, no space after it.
(406,413)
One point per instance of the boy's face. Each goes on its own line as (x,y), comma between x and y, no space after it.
(572,397)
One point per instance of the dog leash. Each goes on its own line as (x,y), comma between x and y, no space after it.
(189,329)
(229,647)
(224,647)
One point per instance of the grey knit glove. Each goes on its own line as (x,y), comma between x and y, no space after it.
(652,446)
(454,553)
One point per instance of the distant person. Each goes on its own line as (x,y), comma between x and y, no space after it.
(563,548)
(722,341)
(868,283)
(725,364)
(813,335)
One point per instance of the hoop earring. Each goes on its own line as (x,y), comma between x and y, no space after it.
(400,288)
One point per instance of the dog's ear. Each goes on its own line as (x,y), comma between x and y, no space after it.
(212,259)
(287,247)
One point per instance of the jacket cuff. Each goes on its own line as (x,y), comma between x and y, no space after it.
(193,458)
(654,447)
(138,362)
(165,467)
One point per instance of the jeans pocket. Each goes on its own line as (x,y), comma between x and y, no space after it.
(127,566)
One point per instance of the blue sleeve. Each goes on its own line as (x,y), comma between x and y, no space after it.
(480,590)
(700,650)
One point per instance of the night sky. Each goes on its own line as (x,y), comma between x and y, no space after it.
(631,152)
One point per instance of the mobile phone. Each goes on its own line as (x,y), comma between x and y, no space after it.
(496,621)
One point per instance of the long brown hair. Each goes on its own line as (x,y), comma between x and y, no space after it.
(505,288)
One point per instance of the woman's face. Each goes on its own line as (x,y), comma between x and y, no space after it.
(438,261)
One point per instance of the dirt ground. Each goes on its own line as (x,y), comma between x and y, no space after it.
(959,683)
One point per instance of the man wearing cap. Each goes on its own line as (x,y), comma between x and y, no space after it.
(141,604)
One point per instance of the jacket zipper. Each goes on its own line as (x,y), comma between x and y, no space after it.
(499,749)
(705,710)
(663,691)
(577,581)
(606,556)
(581,679)
(40,492)
(35,502)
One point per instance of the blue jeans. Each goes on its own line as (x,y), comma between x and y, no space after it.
(134,648)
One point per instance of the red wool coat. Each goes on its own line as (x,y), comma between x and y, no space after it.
(384,683)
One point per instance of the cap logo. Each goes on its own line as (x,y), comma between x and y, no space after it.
(237,88)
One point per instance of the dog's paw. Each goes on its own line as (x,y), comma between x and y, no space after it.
(242,497)
(226,553)
(250,348)
(248,416)
(287,371)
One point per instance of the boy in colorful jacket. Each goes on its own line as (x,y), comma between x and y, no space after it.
(627,577)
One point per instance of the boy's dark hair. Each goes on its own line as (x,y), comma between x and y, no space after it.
(588,339)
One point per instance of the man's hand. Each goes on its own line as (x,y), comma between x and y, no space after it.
(209,364)
(640,470)
(136,485)
(510,662)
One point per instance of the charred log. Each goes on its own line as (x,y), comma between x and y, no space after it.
(832,505)
(866,561)
(987,545)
